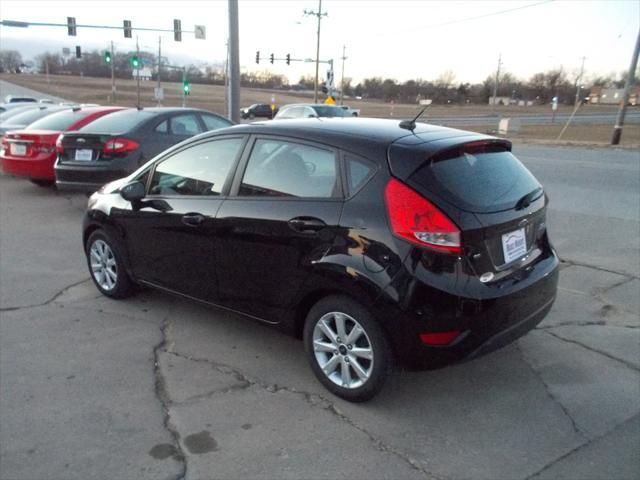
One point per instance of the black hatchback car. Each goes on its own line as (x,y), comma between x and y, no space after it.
(374,242)
(110,148)
(258,110)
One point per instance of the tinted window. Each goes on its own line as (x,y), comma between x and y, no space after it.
(186,124)
(198,170)
(213,123)
(118,122)
(329,111)
(284,169)
(358,172)
(163,127)
(30,116)
(478,182)
(58,121)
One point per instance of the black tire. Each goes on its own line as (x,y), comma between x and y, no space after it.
(122,286)
(379,368)
(42,183)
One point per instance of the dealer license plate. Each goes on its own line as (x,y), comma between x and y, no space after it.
(514,245)
(18,149)
(84,155)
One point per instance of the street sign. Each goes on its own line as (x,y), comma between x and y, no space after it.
(158,93)
(330,100)
(200,32)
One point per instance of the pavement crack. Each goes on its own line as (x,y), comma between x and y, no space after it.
(595,350)
(578,448)
(553,398)
(46,302)
(314,400)
(160,389)
(567,262)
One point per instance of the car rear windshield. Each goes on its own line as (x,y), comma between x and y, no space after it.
(58,121)
(481,181)
(118,122)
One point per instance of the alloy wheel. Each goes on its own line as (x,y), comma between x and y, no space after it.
(343,350)
(103,265)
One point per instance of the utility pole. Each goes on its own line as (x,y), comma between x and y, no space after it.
(234,67)
(113,76)
(578,80)
(159,65)
(342,79)
(617,129)
(138,72)
(495,85)
(184,94)
(318,14)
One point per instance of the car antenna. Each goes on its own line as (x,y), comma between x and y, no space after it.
(411,124)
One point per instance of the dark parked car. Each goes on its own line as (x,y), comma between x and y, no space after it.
(372,241)
(115,145)
(311,110)
(258,110)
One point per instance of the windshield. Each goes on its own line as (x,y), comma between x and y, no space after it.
(329,111)
(58,121)
(30,116)
(118,122)
(13,112)
(478,182)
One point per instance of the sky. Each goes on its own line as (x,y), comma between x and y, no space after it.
(401,39)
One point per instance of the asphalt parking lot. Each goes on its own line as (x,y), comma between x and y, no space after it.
(157,387)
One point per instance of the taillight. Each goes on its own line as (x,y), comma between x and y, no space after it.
(439,338)
(59,147)
(416,219)
(120,145)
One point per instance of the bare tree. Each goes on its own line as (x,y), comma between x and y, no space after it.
(10,60)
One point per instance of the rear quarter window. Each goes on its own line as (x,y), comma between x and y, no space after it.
(482,182)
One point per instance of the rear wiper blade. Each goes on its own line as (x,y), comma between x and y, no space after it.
(526,200)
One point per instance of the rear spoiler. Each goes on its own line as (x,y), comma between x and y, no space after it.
(406,157)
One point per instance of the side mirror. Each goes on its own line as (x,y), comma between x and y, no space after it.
(133,192)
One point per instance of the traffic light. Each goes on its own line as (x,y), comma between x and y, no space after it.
(107,57)
(186,88)
(78,51)
(135,62)
(127,28)
(271,58)
(258,56)
(71,26)
(288,59)
(177,30)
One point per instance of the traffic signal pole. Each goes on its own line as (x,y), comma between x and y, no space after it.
(234,63)
(113,76)
(184,92)
(159,64)
(138,73)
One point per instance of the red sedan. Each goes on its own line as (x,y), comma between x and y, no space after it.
(31,152)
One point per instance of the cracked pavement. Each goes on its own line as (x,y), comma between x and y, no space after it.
(161,388)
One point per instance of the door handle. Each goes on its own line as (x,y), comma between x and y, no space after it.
(193,219)
(306,224)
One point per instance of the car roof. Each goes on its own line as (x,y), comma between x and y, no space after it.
(365,136)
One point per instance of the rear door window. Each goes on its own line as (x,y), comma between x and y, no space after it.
(278,168)
(185,124)
(480,181)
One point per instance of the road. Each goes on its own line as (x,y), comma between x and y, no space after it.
(632,117)
(7,88)
(157,387)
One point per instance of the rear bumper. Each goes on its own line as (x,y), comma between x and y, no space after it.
(29,168)
(85,178)
(485,324)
